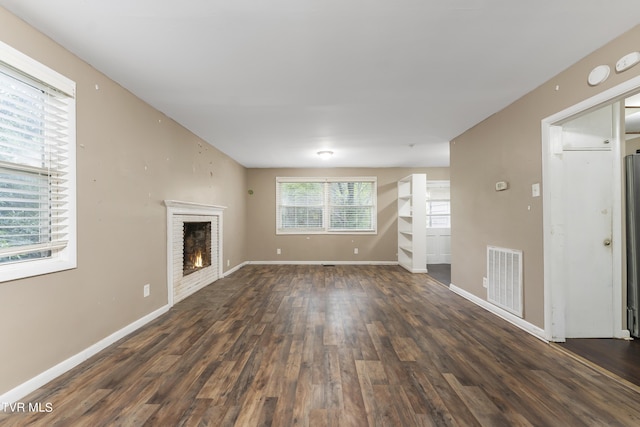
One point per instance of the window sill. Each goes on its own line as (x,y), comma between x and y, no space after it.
(31,268)
(320,233)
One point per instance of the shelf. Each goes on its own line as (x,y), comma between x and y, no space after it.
(412,223)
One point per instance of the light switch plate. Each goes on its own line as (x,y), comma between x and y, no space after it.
(535,190)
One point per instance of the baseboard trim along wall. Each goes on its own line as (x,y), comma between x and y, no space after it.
(38,381)
(234,269)
(515,320)
(323,262)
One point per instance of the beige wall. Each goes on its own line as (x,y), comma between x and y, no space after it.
(130,158)
(507,146)
(261,218)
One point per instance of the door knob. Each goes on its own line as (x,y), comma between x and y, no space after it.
(607,242)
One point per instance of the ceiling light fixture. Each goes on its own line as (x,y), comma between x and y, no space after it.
(325,154)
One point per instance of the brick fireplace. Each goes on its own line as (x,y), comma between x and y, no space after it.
(194,247)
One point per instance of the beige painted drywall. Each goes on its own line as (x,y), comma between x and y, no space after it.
(507,146)
(130,157)
(632,146)
(261,218)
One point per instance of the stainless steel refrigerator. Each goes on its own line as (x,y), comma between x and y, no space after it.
(632,165)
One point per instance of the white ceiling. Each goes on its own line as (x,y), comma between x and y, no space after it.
(379,82)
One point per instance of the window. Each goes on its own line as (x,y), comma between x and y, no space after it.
(326,205)
(438,204)
(37,168)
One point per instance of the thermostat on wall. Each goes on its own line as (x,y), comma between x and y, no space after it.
(501,186)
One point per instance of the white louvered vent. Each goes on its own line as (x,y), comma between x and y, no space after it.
(504,279)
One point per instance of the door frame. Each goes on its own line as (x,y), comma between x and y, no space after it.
(440,255)
(553,233)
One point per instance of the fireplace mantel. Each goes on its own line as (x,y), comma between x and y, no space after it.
(186,208)
(179,212)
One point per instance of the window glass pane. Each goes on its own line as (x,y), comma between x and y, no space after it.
(301,217)
(301,194)
(439,221)
(351,205)
(351,218)
(301,205)
(29,136)
(351,193)
(438,207)
(22,122)
(438,204)
(324,205)
(24,208)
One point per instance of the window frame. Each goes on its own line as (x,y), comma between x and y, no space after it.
(62,256)
(327,206)
(430,201)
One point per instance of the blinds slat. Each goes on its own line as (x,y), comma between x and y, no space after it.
(36,113)
(26,249)
(42,199)
(15,117)
(17,154)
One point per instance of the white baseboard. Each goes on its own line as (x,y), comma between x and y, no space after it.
(515,320)
(623,334)
(323,262)
(234,269)
(39,380)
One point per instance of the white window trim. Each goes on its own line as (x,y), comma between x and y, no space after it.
(439,184)
(326,231)
(65,258)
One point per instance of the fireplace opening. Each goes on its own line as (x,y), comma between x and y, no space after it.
(197,246)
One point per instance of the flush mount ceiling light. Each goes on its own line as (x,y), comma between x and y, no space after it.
(325,154)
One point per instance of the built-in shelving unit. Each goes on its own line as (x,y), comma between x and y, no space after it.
(412,223)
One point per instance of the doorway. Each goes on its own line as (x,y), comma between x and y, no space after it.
(583,218)
(439,230)
(438,222)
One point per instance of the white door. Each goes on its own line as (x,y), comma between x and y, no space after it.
(438,245)
(588,204)
(438,222)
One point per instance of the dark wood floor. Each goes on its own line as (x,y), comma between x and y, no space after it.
(331,346)
(620,357)
(440,272)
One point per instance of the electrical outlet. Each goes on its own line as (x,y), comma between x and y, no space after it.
(484,282)
(146,290)
(355,251)
(228,262)
(278,251)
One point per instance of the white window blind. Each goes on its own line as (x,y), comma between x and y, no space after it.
(351,206)
(301,206)
(326,205)
(36,130)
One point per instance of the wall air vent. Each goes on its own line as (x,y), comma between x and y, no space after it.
(504,279)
